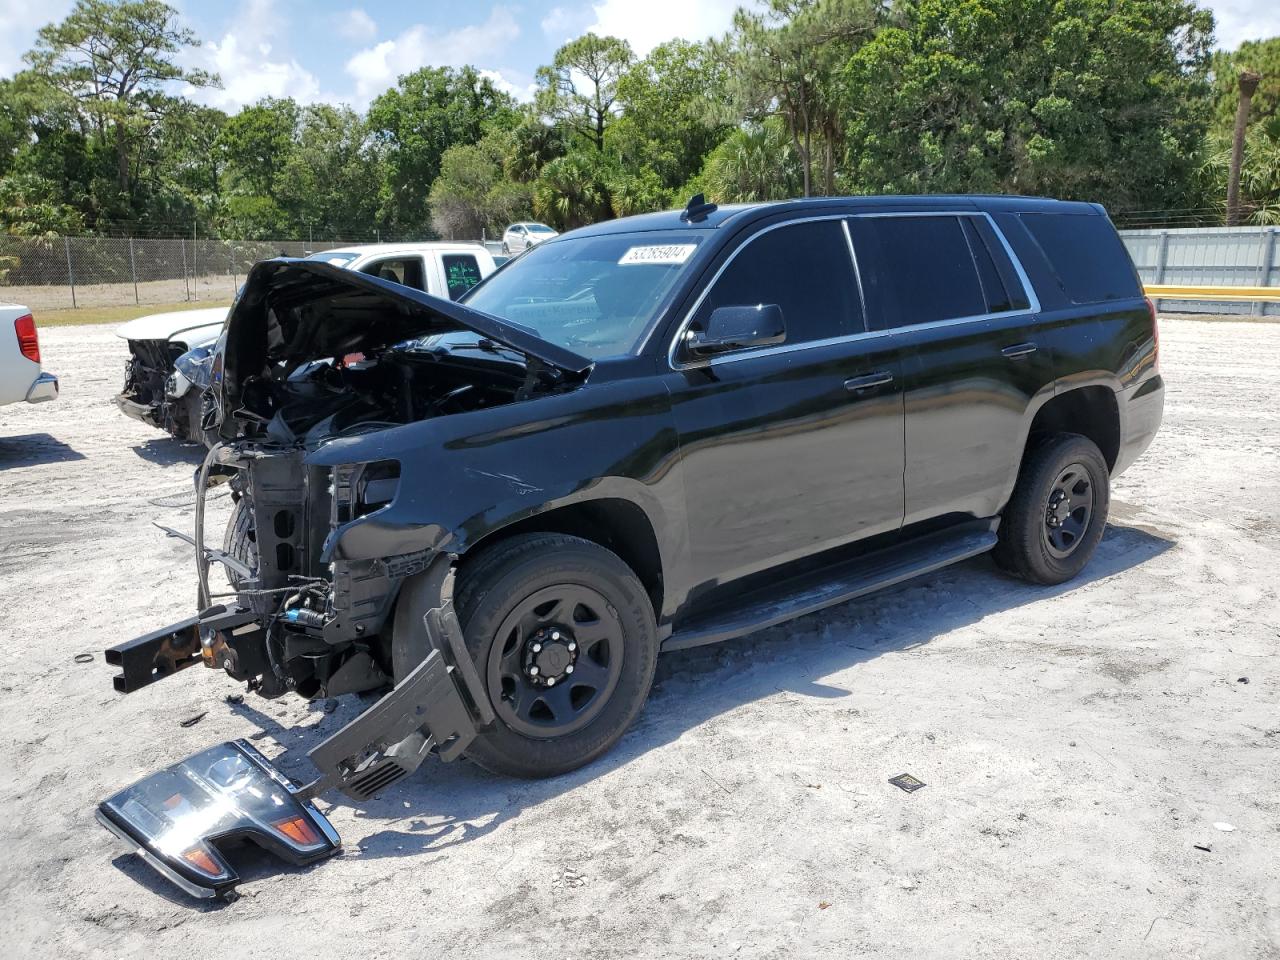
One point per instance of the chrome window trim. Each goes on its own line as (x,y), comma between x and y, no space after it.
(1028,290)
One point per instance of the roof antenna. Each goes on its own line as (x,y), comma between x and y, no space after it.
(697,210)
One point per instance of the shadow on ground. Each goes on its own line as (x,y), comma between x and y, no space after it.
(166,451)
(449,804)
(33,449)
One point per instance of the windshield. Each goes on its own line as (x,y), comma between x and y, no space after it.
(540,228)
(595,296)
(336,258)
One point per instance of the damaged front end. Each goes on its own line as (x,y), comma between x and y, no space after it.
(313,355)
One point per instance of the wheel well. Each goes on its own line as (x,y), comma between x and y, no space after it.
(617,525)
(1089,411)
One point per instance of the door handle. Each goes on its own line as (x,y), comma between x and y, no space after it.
(877,379)
(1019,350)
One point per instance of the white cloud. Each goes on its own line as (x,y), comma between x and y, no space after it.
(18,28)
(376,68)
(249,65)
(509,82)
(1240,20)
(646,23)
(355,24)
(563,24)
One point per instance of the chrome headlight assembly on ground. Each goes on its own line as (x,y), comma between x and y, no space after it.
(178,819)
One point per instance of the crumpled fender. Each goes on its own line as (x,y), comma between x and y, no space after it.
(467,475)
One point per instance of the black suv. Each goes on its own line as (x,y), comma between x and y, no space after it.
(643,435)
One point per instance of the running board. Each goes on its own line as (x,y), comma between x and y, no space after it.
(846,581)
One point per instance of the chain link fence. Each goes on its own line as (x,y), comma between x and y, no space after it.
(70,272)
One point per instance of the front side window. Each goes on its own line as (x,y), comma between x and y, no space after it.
(596,296)
(917,269)
(461,273)
(805,269)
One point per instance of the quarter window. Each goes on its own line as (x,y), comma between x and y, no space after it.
(1087,255)
(806,270)
(917,270)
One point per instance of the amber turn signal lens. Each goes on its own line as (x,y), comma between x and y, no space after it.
(299,831)
(199,858)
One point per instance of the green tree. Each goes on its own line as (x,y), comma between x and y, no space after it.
(1261,56)
(1072,98)
(532,145)
(580,87)
(473,196)
(785,61)
(573,190)
(114,59)
(257,143)
(663,127)
(426,113)
(333,177)
(753,164)
(29,207)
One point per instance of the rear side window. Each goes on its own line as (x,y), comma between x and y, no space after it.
(805,269)
(917,269)
(403,270)
(1086,254)
(461,273)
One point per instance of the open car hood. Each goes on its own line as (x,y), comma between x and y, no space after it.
(294,311)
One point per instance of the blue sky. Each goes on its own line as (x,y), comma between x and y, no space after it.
(339,51)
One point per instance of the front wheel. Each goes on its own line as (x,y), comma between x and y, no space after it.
(563,636)
(1058,511)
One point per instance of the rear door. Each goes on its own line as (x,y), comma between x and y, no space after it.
(966,321)
(790,449)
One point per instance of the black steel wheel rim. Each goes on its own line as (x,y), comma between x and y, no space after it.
(555,661)
(1068,511)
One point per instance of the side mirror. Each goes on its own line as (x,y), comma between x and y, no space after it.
(732,328)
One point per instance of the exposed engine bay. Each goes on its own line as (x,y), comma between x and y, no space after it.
(310,358)
(320,378)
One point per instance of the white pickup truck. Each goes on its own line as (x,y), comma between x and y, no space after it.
(156,390)
(20,375)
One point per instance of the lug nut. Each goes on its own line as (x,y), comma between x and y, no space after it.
(533,671)
(569,668)
(551,681)
(572,646)
(537,648)
(555,634)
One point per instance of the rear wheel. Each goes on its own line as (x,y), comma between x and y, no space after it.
(1058,511)
(563,636)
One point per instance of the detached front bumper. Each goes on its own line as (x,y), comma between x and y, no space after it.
(44,388)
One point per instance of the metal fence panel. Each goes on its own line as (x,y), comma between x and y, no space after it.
(1208,256)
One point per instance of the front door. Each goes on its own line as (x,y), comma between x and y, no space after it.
(791,449)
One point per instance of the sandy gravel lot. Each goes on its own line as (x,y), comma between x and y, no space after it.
(1078,743)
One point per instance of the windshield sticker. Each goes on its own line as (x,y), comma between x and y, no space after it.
(666,253)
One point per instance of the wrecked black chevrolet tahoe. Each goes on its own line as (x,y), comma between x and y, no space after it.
(648,434)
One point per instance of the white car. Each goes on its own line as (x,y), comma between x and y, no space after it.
(20,375)
(521,236)
(157,389)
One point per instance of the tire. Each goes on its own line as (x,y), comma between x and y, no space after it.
(592,616)
(1058,511)
(240,540)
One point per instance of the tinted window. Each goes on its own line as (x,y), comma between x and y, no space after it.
(1086,254)
(1013,286)
(920,269)
(805,269)
(461,273)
